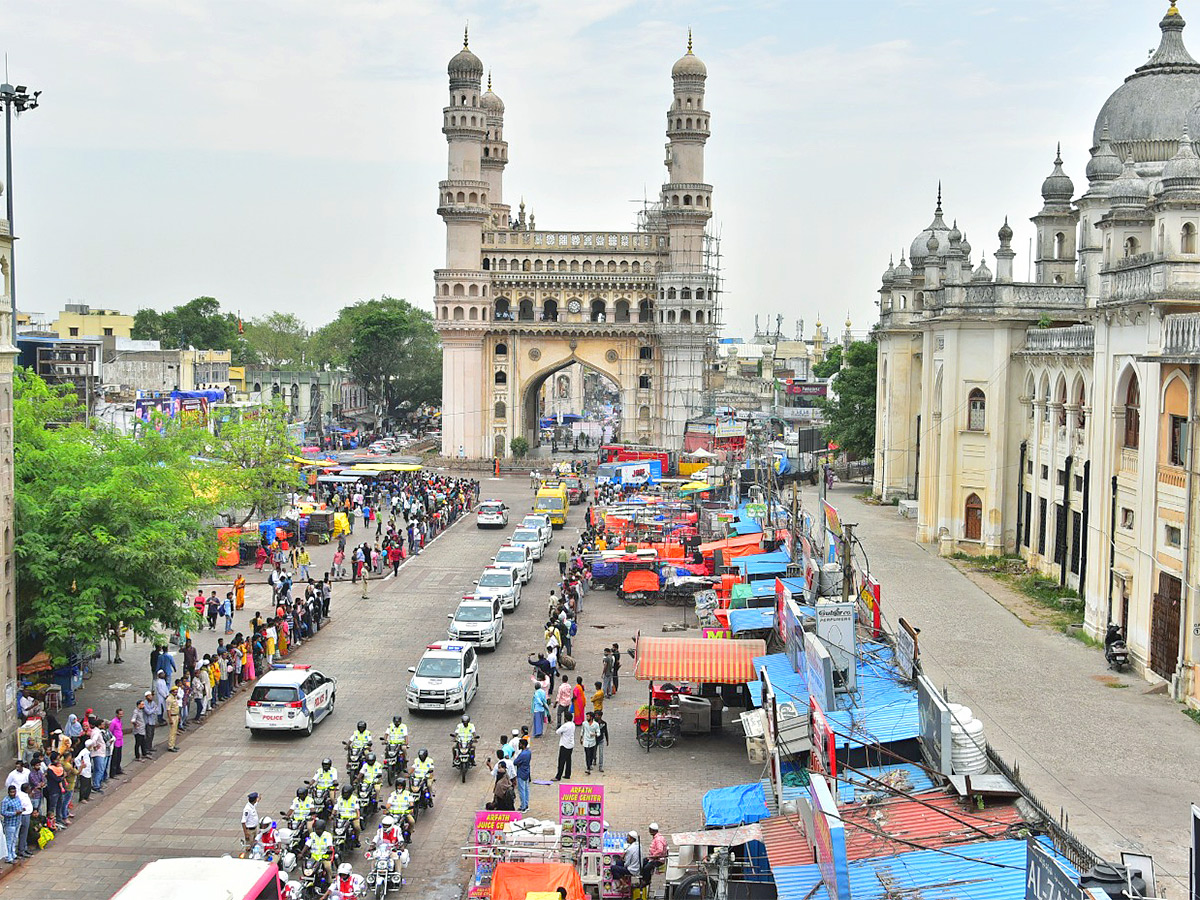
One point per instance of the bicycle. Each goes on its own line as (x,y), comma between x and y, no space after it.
(660,731)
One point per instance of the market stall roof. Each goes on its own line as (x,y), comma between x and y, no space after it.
(740,804)
(337,479)
(751,619)
(515,881)
(744,540)
(747,526)
(718,837)
(697,660)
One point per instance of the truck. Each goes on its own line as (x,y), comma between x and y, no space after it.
(625,453)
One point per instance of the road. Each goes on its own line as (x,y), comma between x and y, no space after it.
(189,803)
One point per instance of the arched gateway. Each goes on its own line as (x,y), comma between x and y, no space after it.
(514,304)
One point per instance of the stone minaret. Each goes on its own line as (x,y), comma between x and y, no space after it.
(495,156)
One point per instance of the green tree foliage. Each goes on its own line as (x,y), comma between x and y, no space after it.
(111,529)
(850,416)
(519,447)
(830,364)
(249,463)
(279,340)
(198,323)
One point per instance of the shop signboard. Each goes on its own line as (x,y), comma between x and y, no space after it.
(934,718)
(818,672)
(581,814)
(836,628)
(730,430)
(824,744)
(833,521)
(869,595)
(829,836)
(489,833)
(1045,877)
(797,389)
(907,651)
(715,633)
(756,510)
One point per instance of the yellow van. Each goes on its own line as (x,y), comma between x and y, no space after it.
(552,501)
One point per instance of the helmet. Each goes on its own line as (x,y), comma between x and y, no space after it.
(388,822)
(371,757)
(423,754)
(301,793)
(362,726)
(345,870)
(396,720)
(466,719)
(347,790)
(327,764)
(632,835)
(320,825)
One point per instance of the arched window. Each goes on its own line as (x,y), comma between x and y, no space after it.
(1081,403)
(612,266)
(1062,403)
(458,313)
(550,311)
(699,317)
(976,410)
(670,293)
(459,290)
(622,311)
(1133,413)
(503,312)
(487,264)
(973,518)
(473,314)
(1131,247)
(525,310)
(636,268)
(1187,238)
(501,377)
(473,290)
(599,307)
(574,265)
(687,199)
(502,349)
(525,266)
(645,314)
(1060,246)
(587,266)
(671,316)
(501,410)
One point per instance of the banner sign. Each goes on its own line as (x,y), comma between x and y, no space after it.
(833,521)
(581,814)
(824,744)
(715,633)
(756,510)
(1045,877)
(807,390)
(489,833)
(869,595)
(829,836)
(906,650)
(934,716)
(818,672)
(730,430)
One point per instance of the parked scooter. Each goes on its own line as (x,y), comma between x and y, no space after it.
(1116,653)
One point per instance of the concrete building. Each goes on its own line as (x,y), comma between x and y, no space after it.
(64,361)
(514,305)
(78,320)
(1054,418)
(8,580)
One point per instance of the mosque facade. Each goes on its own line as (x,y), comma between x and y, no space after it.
(1054,418)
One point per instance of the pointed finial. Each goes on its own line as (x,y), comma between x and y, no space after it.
(1174,10)
(939,203)
(1058,154)
(466,36)
(489,79)
(689,41)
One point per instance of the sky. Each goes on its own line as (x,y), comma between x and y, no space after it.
(283,155)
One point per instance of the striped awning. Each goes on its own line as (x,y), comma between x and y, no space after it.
(698,660)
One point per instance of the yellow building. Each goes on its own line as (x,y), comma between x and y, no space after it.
(80,320)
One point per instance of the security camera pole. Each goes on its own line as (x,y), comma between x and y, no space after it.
(20,99)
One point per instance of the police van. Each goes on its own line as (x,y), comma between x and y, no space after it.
(290,698)
(447,677)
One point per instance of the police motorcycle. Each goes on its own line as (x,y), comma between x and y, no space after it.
(395,762)
(368,793)
(388,859)
(421,788)
(356,751)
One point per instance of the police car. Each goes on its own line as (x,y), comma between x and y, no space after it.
(519,559)
(502,583)
(478,621)
(491,513)
(290,698)
(447,677)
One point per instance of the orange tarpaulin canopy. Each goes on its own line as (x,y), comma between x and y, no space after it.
(697,660)
(742,540)
(515,881)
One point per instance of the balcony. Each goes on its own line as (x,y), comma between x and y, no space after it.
(1172,476)
(1072,339)
(1181,334)
(1129,459)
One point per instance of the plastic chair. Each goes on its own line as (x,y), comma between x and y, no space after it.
(53,697)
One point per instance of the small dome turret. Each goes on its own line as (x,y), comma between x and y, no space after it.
(1104,165)
(903,272)
(919,249)
(1005,233)
(1129,191)
(689,65)
(1058,187)
(465,65)
(982,273)
(965,246)
(890,274)
(1182,171)
(491,101)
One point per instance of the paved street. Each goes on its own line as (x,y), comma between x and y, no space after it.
(1122,763)
(189,803)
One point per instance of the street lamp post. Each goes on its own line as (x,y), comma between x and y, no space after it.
(19,99)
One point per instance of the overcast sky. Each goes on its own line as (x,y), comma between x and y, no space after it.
(284,154)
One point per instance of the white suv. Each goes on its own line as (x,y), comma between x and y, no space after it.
(502,584)
(478,621)
(517,558)
(491,513)
(543,526)
(290,698)
(447,677)
(531,538)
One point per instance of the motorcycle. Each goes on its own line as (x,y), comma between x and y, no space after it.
(343,838)
(462,756)
(354,756)
(423,793)
(368,799)
(395,762)
(1116,653)
(387,871)
(323,799)
(314,882)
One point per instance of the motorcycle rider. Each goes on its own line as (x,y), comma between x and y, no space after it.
(320,847)
(390,841)
(326,777)
(266,842)
(397,733)
(290,890)
(360,738)
(465,735)
(400,804)
(347,810)
(422,770)
(347,885)
(371,773)
(302,810)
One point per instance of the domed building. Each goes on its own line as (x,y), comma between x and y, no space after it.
(1051,418)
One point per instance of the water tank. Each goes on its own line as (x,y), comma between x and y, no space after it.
(695,714)
(968,752)
(1110,878)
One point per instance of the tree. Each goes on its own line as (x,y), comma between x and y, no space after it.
(519,447)
(330,345)
(249,463)
(198,323)
(832,362)
(280,340)
(111,529)
(394,353)
(850,414)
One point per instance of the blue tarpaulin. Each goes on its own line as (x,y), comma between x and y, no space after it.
(748,526)
(750,619)
(737,805)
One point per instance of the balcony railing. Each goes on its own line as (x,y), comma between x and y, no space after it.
(1175,476)
(1072,339)
(1129,459)
(1181,334)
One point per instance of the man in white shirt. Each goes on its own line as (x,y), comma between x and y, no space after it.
(18,776)
(566,743)
(250,819)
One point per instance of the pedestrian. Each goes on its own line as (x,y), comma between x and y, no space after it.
(365,579)
(563,556)
(523,762)
(139,731)
(26,818)
(19,775)
(116,728)
(161,690)
(56,780)
(173,711)
(212,607)
(227,611)
(96,750)
(591,736)
(11,810)
(601,740)
(564,699)
(616,669)
(598,698)
(190,656)
(150,708)
(540,707)
(578,701)
(566,744)
(250,820)
(239,590)
(166,662)
(83,764)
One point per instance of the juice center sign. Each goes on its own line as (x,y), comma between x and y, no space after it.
(581,814)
